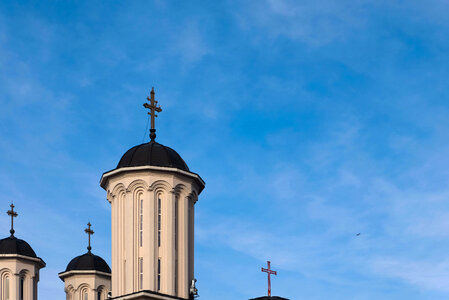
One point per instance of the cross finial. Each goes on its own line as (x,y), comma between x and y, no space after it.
(89,233)
(12,214)
(269,272)
(154,108)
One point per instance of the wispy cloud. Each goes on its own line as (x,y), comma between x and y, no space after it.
(314,23)
(432,275)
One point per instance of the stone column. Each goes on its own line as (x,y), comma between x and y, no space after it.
(15,283)
(170,251)
(184,246)
(31,287)
(114,243)
(129,273)
(165,237)
(191,238)
(149,226)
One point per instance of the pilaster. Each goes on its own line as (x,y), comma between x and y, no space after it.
(149,241)
(130,245)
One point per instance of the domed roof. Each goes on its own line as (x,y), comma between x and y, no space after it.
(152,154)
(88,262)
(13,245)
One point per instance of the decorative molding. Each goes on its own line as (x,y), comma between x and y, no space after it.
(138,183)
(181,188)
(161,185)
(39,261)
(193,196)
(83,287)
(118,188)
(196,177)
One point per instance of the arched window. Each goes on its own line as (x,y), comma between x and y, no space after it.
(141,222)
(159,219)
(21,287)
(158,274)
(176,275)
(140,273)
(176,221)
(100,293)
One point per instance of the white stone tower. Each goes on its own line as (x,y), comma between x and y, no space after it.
(152,194)
(87,277)
(19,267)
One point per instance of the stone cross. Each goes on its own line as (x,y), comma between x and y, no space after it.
(13,215)
(154,108)
(89,233)
(269,272)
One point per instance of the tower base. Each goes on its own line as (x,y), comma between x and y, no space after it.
(147,295)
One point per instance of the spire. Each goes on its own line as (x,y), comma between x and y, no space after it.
(13,215)
(154,108)
(89,233)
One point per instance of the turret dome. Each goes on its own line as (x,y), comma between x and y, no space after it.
(88,262)
(13,245)
(152,154)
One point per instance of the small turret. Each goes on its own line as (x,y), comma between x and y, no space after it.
(19,266)
(87,276)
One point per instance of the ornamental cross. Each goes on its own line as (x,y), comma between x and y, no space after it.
(269,272)
(154,108)
(13,215)
(89,233)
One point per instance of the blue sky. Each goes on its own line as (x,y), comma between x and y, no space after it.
(310,121)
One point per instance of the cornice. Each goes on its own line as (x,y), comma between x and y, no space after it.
(63,275)
(39,261)
(196,177)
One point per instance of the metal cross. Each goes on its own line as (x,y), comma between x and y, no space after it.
(269,272)
(154,108)
(89,233)
(13,214)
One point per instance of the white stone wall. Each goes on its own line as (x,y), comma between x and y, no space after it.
(78,283)
(178,191)
(13,268)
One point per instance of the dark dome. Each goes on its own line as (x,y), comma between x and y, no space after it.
(88,262)
(152,154)
(13,245)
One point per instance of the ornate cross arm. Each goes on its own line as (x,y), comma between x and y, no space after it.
(89,233)
(154,108)
(13,215)
(269,273)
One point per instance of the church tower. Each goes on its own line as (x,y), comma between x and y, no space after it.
(88,276)
(152,194)
(19,267)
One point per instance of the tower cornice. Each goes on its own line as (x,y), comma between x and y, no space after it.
(65,274)
(37,260)
(197,178)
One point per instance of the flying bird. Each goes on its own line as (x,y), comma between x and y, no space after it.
(357,234)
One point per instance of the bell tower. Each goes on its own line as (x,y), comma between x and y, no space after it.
(87,276)
(152,194)
(19,266)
